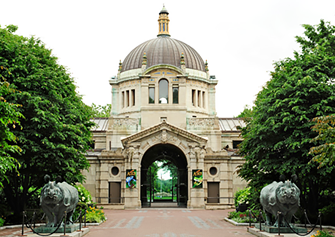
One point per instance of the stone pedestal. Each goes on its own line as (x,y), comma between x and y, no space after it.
(68,229)
(271,229)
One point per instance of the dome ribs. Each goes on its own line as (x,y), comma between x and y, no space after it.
(163,50)
(192,59)
(176,53)
(200,63)
(188,56)
(154,50)
(133,58)
(139,55)
(148,51)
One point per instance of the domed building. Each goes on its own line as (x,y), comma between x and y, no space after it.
(163,108)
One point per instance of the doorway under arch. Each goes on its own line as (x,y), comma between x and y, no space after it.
(174,155)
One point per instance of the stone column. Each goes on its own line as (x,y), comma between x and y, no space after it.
(132,195)
(115,101)
(156,93)
(211,100)
(197,155)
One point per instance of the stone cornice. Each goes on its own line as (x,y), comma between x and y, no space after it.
(161,66)
(163,126)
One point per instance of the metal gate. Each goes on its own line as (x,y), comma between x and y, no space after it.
(179,189)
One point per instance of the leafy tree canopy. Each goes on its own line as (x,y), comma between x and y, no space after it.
(9,119)
(277,139)
(324,153)
(56,126)
(247,112)
(101,111)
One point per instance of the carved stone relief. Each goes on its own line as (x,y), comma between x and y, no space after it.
(124,123)
(201,123)
(164,136)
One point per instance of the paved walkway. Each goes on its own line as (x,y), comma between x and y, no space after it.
(161,222)
(166,222)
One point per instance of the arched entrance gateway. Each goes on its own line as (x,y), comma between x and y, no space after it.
(163,108)
(179,184)
(164,141)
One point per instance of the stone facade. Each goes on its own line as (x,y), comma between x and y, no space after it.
(164,109)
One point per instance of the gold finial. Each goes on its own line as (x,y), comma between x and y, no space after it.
(206,66)
(120,66)
(182,59)
(144,59)
(163,22)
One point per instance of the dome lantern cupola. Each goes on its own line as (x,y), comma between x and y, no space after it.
(163,50)
(163,23)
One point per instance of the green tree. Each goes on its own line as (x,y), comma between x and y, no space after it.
(56,126)
(246,113)
(324,153)
(100,111)
(277,139)
(9,119)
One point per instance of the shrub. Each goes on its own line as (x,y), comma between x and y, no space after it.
(242,196)
(84,194)
(322,234)
(2,222)
(328,214)
(95,215)
(85,198)
(243,217)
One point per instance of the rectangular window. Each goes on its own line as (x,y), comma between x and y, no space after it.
(203,99)
(175,92)
(127,99)
(133,97)
(92,145)
(193,97)
(199,98)
(236,144)
(122,100)
(151,95)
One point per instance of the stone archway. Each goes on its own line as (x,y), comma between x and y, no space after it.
(178,158)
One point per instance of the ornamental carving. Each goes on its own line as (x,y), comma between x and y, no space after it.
(182,134)
(201,123)
(164,136)
(124,123)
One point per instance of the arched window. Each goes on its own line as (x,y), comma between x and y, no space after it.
(163,91)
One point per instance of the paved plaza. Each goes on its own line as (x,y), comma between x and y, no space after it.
(159,222)
(166,222)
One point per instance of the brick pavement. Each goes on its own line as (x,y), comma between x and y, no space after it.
(12,232)
(166,222)
(160,222)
